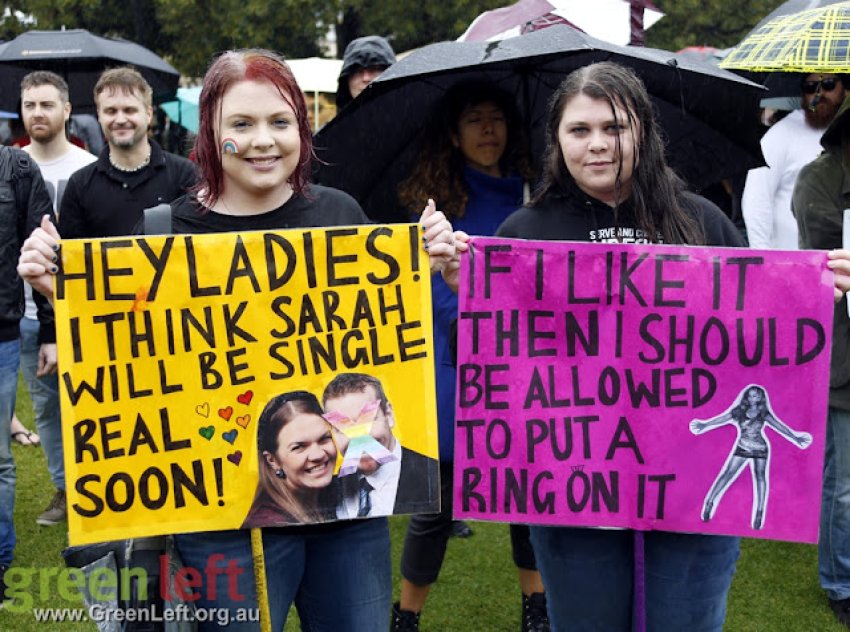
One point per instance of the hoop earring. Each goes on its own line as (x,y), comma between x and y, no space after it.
(280,473)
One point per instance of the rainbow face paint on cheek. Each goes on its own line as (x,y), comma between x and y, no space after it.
(229,146)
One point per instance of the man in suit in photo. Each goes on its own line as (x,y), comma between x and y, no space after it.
(406,481)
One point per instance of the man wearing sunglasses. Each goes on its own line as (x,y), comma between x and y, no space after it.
(787,146)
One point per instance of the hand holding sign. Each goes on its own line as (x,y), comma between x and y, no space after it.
(839,263)
(437,237)
(451,273)
(37,264)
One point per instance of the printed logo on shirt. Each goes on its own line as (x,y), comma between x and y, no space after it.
(620,234)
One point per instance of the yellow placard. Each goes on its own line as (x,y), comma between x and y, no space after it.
(171,347)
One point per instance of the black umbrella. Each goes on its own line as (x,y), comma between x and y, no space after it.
(709,115)
(79,57)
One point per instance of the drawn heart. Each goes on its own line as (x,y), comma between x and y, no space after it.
(229,436)
(245,398)
(235,458)
(243,420)
(207,432)
(225,413)
(203,409)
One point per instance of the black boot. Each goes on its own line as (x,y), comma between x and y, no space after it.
(534,615)
(406,621)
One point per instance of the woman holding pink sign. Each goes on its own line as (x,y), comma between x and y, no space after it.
(606,179)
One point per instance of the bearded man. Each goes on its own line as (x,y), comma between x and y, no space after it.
(45,110)
(788,146)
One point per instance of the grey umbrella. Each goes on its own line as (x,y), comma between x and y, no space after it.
(709,115)
(80,57)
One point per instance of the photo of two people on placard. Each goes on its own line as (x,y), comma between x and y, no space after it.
(300,439)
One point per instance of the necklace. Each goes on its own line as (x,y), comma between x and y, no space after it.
(138,167)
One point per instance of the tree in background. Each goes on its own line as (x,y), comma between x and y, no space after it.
(189,32)
(198,30)
(718,23)
(408,23)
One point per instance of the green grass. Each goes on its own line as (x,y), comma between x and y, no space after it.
(775,588)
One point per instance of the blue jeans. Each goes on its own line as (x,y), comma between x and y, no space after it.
(10,355)
(588,574)
(44,393)
(834,541)
(339,578)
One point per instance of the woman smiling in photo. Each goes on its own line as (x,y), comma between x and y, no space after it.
(297,459)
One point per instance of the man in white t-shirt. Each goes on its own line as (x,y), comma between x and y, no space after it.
(45,111)
(788,146)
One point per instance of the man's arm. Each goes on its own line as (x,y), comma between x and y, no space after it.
(757,205)
(39,204)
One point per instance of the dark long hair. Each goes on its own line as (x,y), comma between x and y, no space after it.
(277,413)
(252,64)
(438,172)
(655,188)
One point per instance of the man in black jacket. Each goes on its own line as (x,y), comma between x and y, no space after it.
(23,202)
(107,197)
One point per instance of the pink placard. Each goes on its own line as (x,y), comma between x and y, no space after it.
(643,386)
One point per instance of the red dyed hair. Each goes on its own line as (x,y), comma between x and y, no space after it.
(229,68)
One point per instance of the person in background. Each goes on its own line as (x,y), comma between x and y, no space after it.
(45,111)
(24,204)
(254,150)
(819,201)
(787,146)
(364,60)
(474,163)
(85,127)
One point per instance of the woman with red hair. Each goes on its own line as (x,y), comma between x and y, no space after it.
(254,150)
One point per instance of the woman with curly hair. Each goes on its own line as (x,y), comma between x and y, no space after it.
(474,164)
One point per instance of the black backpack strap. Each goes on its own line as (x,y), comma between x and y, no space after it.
(22,174)
(16,168)
(157,220)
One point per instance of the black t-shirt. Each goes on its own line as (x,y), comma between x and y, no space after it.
(102,201)
(578,217)
(317,207)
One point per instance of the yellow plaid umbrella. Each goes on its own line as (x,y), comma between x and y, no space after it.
(817,40)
